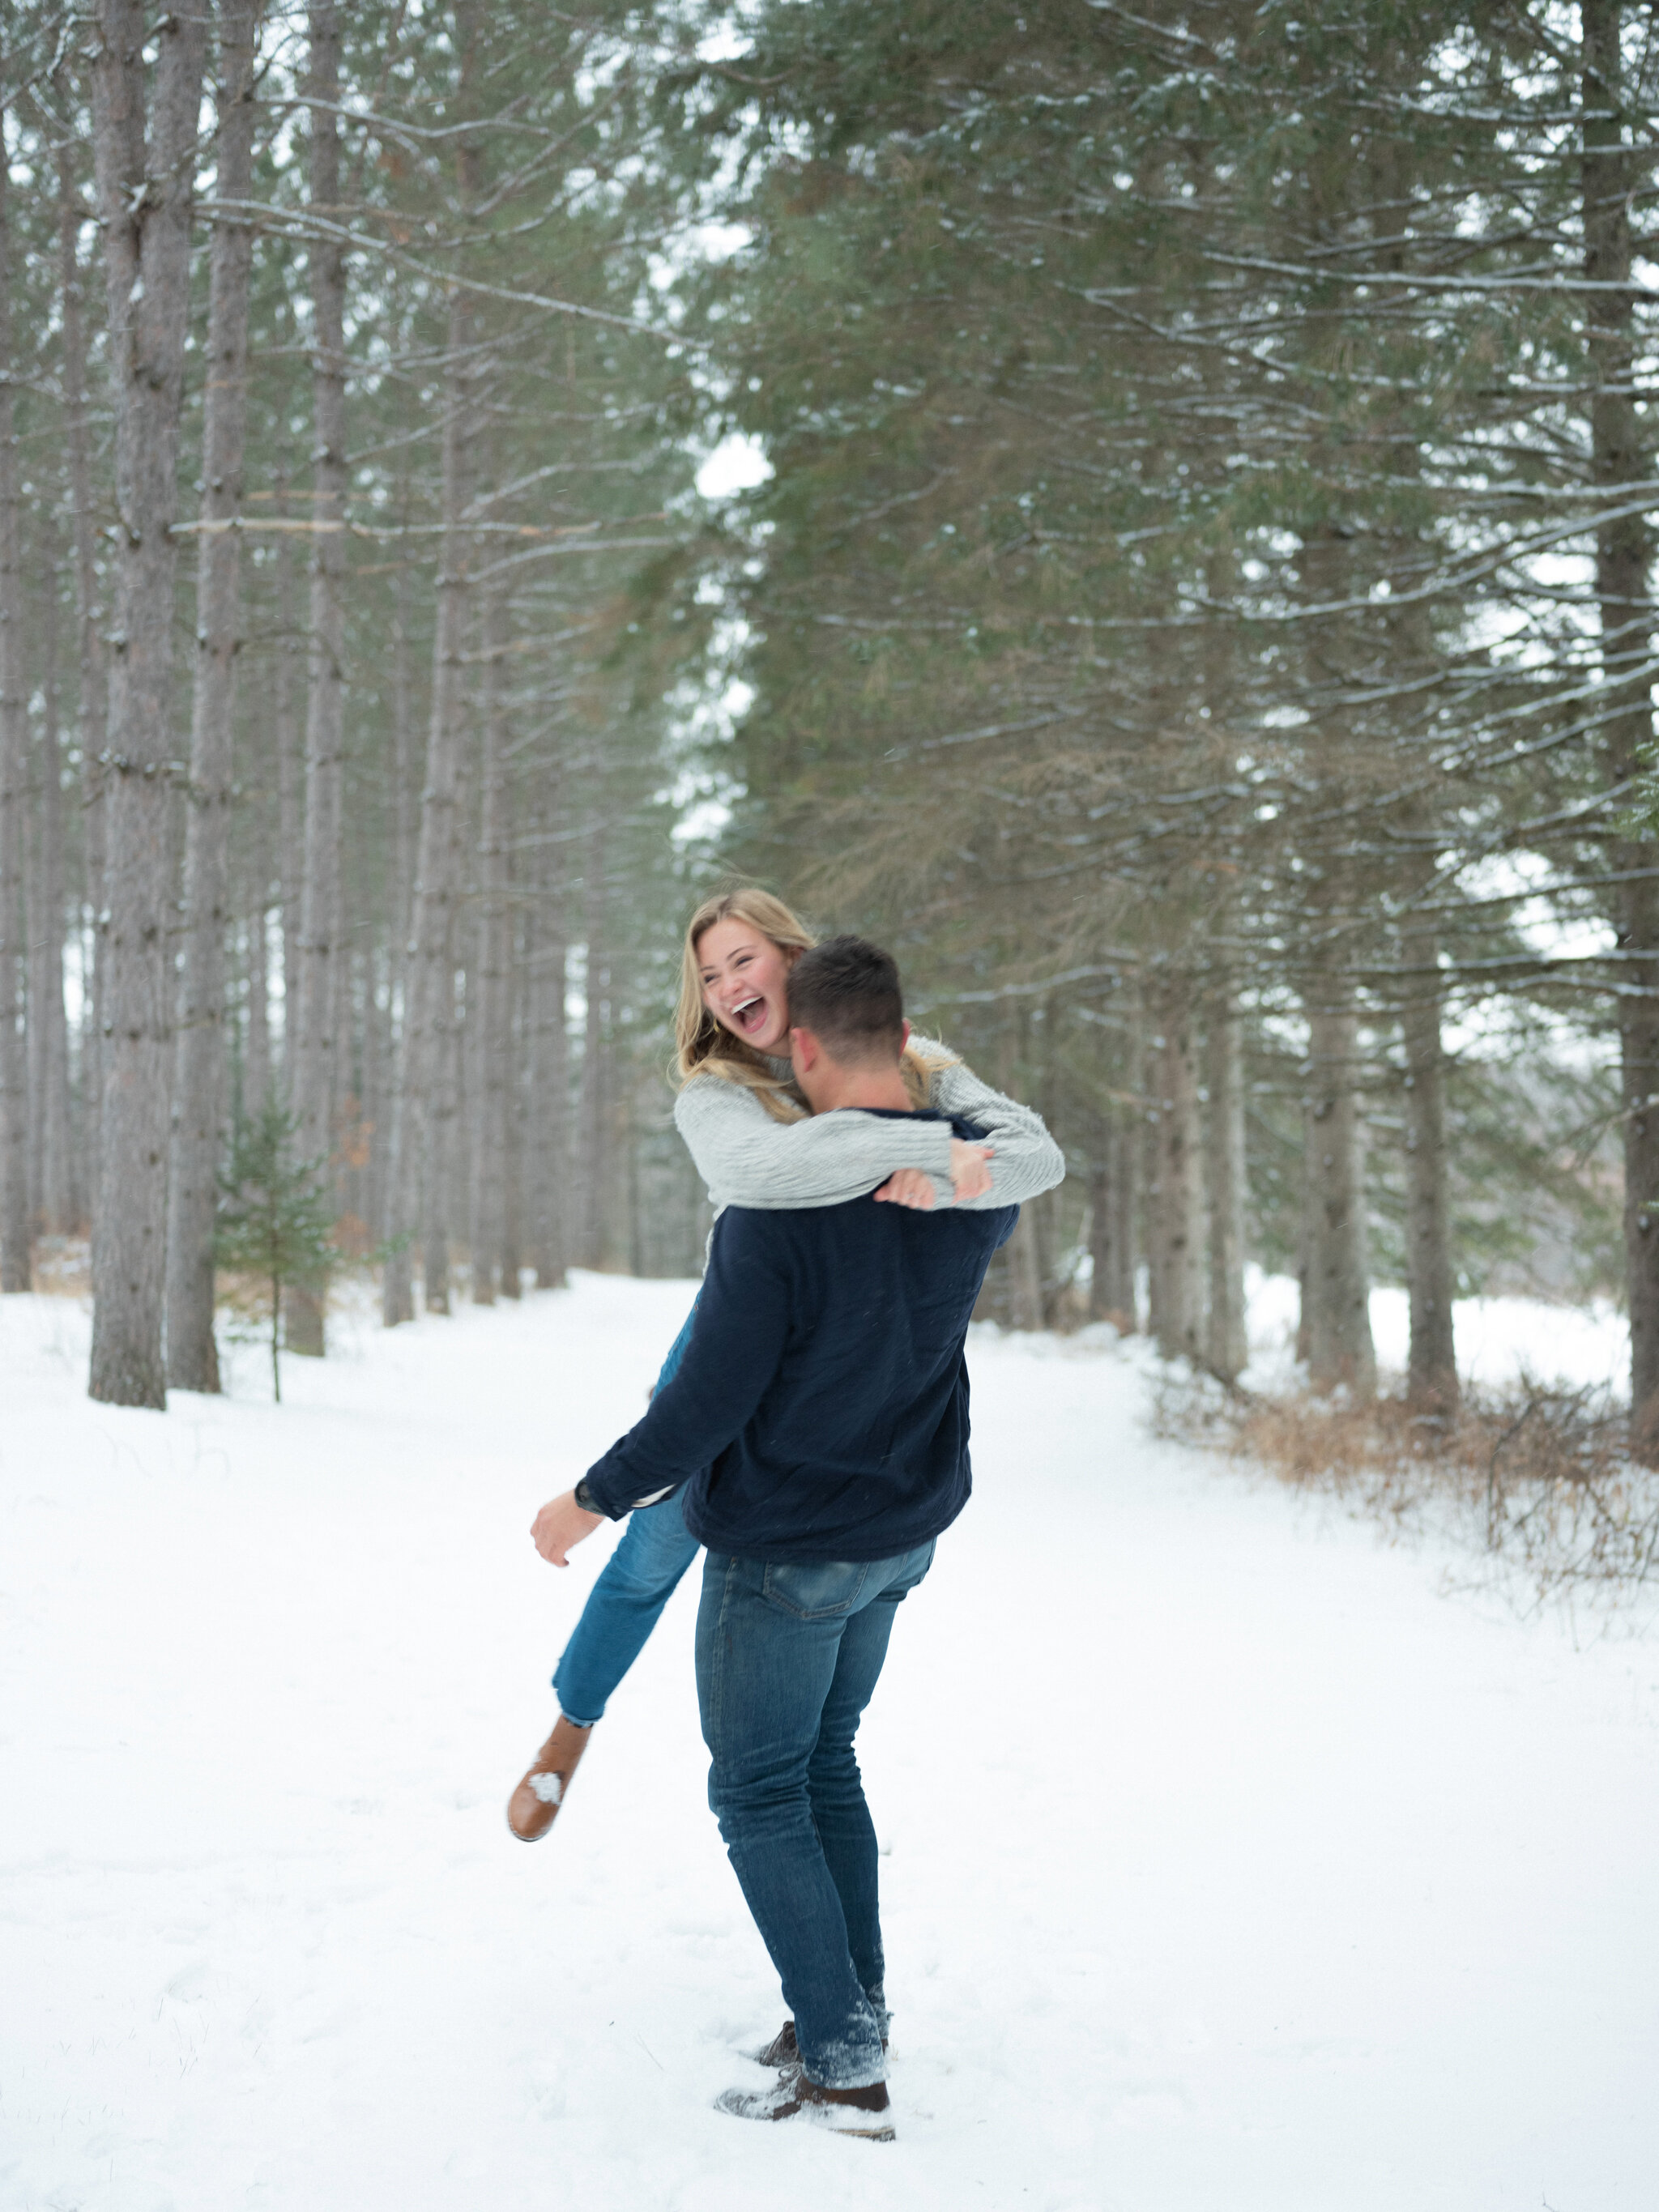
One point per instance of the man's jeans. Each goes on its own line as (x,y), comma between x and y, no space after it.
(788,1657)
(626,1602)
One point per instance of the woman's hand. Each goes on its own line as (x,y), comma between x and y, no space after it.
(970,1173)
(970,1177)
(912,1186)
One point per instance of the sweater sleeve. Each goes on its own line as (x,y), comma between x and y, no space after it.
(744,1312)
(747,1158)
(1025,1159)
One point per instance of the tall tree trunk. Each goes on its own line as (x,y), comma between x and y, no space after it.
(393,1220)
(513,1121)
(1431,1386)
(417,1184)
(1124,1177)
(1338,1294)
(547,1151)
(1104,1111)
(144,195)
(442,1115)
(1302,1340)
(1025,1263)
(1177,1245)
(1226,1345)
(1103,1211)
(255,907)
(290,786)
(48,1019)
(14,805)
(256,1057)
(1128,1148)
(487,1001)
(315,1061)
(592,1104)
(200,1071)
(1623,554)
(93,703)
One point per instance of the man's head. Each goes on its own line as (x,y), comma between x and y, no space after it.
(846,1017)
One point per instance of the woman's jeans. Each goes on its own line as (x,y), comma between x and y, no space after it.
(626,1602)
(788,1657)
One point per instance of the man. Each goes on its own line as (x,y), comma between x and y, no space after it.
(820,1414)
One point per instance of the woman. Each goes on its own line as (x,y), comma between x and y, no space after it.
(754,1143)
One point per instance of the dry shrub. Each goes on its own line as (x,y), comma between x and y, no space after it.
(1537,1479)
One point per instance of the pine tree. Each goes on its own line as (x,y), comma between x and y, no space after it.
(274,1215)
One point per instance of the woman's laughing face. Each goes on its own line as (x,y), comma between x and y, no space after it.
(745,983)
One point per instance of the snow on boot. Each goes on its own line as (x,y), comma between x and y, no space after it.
(534,1804)
(795,2096)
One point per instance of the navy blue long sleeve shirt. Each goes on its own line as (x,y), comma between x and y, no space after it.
(820,1411)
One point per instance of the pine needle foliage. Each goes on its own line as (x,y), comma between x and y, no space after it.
(274,1217)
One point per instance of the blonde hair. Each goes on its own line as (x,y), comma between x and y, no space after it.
(704,1046)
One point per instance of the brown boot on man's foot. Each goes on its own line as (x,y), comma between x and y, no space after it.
(784,2051)
(533,1805)
(863,2112)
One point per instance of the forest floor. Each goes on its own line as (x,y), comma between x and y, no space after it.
(1232,1864)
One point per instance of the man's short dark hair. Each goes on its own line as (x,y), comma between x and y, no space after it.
(846,991)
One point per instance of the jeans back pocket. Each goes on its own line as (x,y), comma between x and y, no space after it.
(821,1589)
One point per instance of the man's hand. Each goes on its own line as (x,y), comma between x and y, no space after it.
(560,1526)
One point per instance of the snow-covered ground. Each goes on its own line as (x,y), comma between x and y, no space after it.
(1499,1339)
(1231,1868)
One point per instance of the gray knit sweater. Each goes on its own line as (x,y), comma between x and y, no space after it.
(747,1158)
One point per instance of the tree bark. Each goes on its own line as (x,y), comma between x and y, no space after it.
(14,805)
(50,1108)
(256,907)
(487,1011)
(1226,1345)
(1177,1246)
(201,1067)
(592,1103)
(1025,1260)
(547,1150)
(1105,1165)
(1431,1386)
(515,1112)
(315,1059)
(417,1182)
(1128,1152)
(291,790)
(392,1224)
(1338,1296)
(1102,1220)
(93,701)
(1623,554)
(144,194)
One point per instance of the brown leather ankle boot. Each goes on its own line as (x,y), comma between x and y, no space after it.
(533,1805)
(783,2050)
(865,2113)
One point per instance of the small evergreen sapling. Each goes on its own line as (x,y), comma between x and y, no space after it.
(274,1215)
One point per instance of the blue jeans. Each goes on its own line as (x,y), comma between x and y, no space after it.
(788,1657)
(626,1602)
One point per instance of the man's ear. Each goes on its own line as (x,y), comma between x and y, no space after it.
(804,1049)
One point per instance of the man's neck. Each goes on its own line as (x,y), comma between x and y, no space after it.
(840,1086)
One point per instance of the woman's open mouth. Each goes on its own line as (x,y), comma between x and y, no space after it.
(750,1015)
